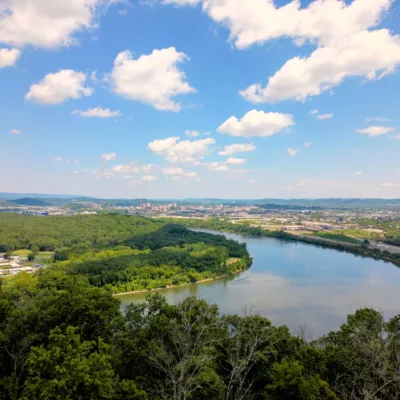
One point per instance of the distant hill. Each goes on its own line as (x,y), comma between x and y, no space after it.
(15,196)
(30,201)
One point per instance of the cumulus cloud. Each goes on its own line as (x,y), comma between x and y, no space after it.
(108,156)
(235,161)
(176,151)
(256,123)
(313,112)
(153,79)
(237,148)
(347,44)
(252,181)
(46,23)
(179,174)
(8,57)
(148,178)
(373,131)
(58,87)
(307,144)
(292,152)
(387,184)
(15,131)
(359,173)
(189,133)
(98,112)
(217,166)
(58,158)
(324,116)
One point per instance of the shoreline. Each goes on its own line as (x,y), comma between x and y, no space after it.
(182,284)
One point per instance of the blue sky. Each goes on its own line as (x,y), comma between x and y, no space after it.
(137,99)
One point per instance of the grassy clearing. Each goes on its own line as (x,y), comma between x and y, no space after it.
(232,260)
(336,236)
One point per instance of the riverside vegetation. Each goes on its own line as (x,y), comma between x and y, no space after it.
(125,253)
(61,338)
(348,244)
(63,335)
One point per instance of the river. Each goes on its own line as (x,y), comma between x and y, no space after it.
(297,284)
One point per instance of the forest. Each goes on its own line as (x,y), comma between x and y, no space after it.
(62,338)
(125,253)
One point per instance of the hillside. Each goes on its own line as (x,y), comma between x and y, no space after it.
(30,201)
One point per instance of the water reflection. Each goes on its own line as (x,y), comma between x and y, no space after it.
(298,284)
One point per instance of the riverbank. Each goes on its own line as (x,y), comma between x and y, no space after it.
(362,250)
(176,286)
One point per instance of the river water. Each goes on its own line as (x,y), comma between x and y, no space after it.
(297,284)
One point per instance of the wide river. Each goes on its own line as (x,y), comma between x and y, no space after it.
(297,284)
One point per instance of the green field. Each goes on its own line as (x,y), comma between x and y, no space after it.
(336,236)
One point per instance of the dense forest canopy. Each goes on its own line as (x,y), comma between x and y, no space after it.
(61,338)
(82,231)
(125,253)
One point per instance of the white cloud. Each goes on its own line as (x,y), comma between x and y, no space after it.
(173,171)
(313,112)
(387,184)
(133,167)
(307,144)
(58,158)
(153,79)
(148,178)
(177,151)
(292,152)
(76,162)
(237,148)
(122,171)
(235,161)
(98,112)
(359,173)
(377,119)
(46,23)
(372,131)
(395,137)
(8,57)
(252,181)
(189,133)
(324,116)
(256,123)
(179,174)
(217,166)
(369,54)
(346,43)
(58,87)
(302,184)
(76,172)
(15,131)
(108,156)
(192,133)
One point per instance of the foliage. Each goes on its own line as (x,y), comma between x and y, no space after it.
(336,236)
(60,338)
(78,231)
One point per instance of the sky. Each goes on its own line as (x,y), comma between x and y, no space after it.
(200,98)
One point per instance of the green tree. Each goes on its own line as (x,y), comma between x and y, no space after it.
(71,369)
